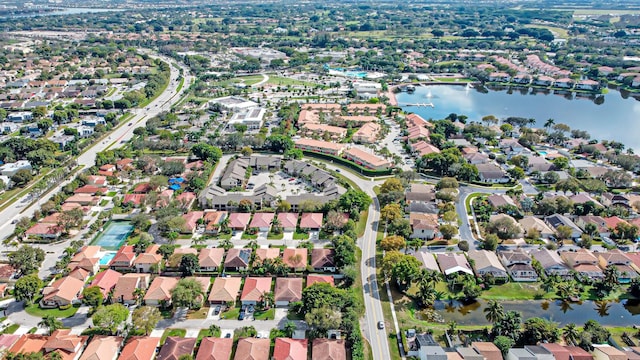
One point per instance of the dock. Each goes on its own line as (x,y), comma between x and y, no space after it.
(421,105)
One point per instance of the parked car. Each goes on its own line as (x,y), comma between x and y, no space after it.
(216,311)
(241,316)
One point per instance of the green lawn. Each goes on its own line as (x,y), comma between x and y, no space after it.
(300,235)
(231,314)
(265,315)
(11,329)
(198,314)
(247,236)
(172,332)
(104,202)
(453,80)
(35,310)
(206,333)
(272,236)
(362,223)
(467,201)
(517,291)
(282,81)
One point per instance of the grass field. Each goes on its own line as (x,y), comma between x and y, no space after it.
(282,81)
(603,12)
(563,33)
(172,332)
(35,310)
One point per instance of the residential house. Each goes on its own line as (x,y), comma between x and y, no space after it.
(191,220)
(125,291)
(311,221)
(420,193)
(428,260)
(212,348)
(551,262)
(239,221)
(424,226)
(237,259)
(140,348)
(610,199)
(262,221)
(28,343)
(488,349)
(518,264)
(490,173)
(88,258)
(174,347)
(234,174)
(254,288)
(578,353)
(528,223)
(266,253)
(620,261)
(148,261)
(476,158)
(44,231)
(290,349)
(64,291)
(556,220)
(225,290)
(102,348)
(499,200)
(558,351)
(252,349)
(159,292)
(368,160)
(106,281)
(312,279)
(584,262)
(287,290)
(64,343)
(540,352)
(123,259)
(328,349)
(424,347)
(322,260)
(288,221)
(499,77)
(295,258)
(453,264)
(367,133)
(334,132)
(607,352)
(213,220)
(261,163)
(7,341)
(421,148)
(210,259)
(486,263)
(519,354)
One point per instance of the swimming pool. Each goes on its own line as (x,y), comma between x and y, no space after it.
(113,235)
(543,153)
(356,74)
(106,258)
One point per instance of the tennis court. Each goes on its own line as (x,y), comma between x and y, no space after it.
(113,235)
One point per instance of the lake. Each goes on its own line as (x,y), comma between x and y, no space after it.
(623,313)
(606,117)
(65,11)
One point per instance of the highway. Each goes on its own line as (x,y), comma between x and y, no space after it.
(117,137)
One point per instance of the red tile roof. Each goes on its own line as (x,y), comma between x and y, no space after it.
(290,349)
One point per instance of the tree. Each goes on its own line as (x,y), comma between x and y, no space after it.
(447,183)
(189,264)
(354,201)
(560,163)
(563,232)
(206,152)
(27,287)
(405,271)
(391,243)
(400,227)
(21,177)
(390,212)
(283,206)
(504,227)
(92,296)
(448,231)
(550,177)
(570,334)
(345,251)
(26,259)
(391,185)
(166,250)
(494,311)
(504,343)
(490,242)
(516,173)
(323,319)
(51,323)
(599,335)
(538,330)
(187,293)
(267,300)
(110,317)
(509,325)
(146,318)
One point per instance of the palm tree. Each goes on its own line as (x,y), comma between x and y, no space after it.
(275,224)
(570,334)
(224,224)
(549,123)
(494,311)
(289,328)
(226,244)
(51,323)
(266,300)
(54,355)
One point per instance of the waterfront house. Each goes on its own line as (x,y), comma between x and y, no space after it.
(584,262)
(518,264)
(453,264)
(551,262)
(620,261)
(487,263)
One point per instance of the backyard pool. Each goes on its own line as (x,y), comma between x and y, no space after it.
(543,153)
(113,235)
(106,258)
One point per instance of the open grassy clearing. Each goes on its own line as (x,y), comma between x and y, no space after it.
(563,33)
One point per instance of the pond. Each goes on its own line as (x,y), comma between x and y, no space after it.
(612,116)
(622,313)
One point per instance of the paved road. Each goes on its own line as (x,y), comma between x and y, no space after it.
(117,137)
(372,303)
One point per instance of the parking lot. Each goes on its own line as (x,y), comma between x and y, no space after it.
(285,184)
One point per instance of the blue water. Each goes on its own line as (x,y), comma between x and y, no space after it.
(613,116)
(114,235)
(543,153)
(356,74)
(106,258)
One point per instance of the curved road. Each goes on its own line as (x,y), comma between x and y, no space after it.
(119,135)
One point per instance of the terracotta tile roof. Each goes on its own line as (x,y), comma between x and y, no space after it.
(29,343)
(191,219)
(106,281)
(239,220)
(225,289)
(140,348)
(312,279)
(160,288)
(488,349)
(64,343)
(7,340)
(215,349)
(44,229)
(136,199)
(288,289)
(311,221)
(325,349)
(252,349)
(267,253)
(65,288)
(125,288)
(237,258)
(175,346)
(210,257)
(147,258)
(322,258)
(80,274)
(102,348)
(288,220)
(290,349)
(255,287)
(295,258)
(262,220)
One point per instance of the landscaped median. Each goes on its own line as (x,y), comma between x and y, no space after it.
(349,164)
